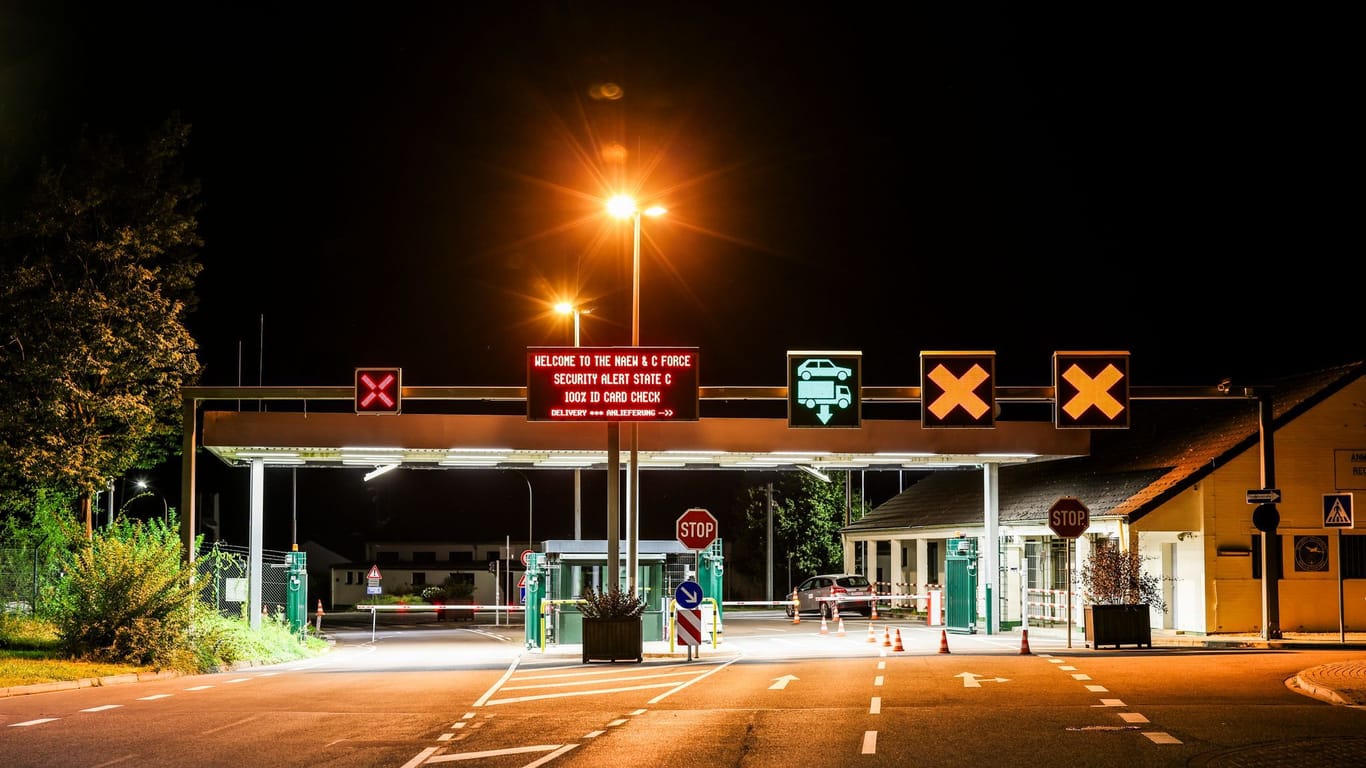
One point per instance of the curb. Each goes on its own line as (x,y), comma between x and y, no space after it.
(86,682)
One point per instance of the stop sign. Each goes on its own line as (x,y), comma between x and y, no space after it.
(1068,517)
(696,529)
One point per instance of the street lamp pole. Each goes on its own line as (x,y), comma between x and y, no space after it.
(620,207)
(633,473)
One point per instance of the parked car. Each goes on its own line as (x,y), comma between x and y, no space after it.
(850,590)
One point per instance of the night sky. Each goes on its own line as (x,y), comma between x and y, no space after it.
(416,183)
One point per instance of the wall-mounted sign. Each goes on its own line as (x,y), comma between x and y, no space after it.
(823,389)
(957,389)
(1349,469)
(1091,390)
(612,383)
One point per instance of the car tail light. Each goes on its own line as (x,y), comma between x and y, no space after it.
(837,591)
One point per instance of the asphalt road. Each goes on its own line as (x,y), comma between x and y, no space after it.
(773,694)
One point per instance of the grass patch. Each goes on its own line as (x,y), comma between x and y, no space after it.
(32,667)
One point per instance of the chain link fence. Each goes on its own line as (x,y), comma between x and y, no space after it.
(23,573)
(224,572)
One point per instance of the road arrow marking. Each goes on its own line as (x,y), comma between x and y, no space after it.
(780,683)
(970,679)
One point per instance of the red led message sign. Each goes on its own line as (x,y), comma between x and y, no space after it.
(612,384)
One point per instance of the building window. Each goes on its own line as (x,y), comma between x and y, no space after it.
(424,557)
(419,578)
(1033,564)
(462,556)
(386,557)
(1057,561)
(349,576)
(931,562)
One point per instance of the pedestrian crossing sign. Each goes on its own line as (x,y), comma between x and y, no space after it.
(1337,510)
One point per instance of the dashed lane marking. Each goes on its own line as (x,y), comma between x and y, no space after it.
(869,743)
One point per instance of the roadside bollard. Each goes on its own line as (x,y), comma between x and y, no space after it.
(318,620)
(796,609)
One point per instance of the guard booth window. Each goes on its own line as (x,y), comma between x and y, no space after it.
(932,562)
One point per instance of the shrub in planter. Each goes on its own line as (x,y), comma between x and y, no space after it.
(612,625)
(1119,597)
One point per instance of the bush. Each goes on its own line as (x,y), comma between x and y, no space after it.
(611,603)
(130,597)
(1114,577)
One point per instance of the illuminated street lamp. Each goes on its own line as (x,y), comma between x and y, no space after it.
(622,206)
(145,490)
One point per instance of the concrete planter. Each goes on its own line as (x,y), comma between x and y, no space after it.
(612,640)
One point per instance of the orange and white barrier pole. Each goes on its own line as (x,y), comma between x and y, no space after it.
(796,609)
(318,620)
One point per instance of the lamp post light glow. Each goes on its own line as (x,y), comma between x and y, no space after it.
(621,207)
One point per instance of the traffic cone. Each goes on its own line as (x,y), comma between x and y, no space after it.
(840,630)
(873,615)
(1024,643)
(898,646)
(871,638)
(943,641)
(796,609)
(886,638)
(825,630)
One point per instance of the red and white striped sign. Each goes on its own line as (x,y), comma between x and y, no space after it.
(689,621)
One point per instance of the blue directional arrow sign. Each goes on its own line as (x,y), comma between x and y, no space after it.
(688,594)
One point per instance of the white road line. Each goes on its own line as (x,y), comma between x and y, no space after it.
(156,696)
(593,734)
(102,708)
(1132,717)
(1097,689)
(239,680)
(869,743)
(419,757)
(616,722)
(877,681)
(681,686)
(567,694)
(1158,737)
(1110,703)
(494,688)
(551,756)
(595,681)
(199,688)
(876,707)
(39,721)
(1081,676)
(1055,661)
(1068,668)
(487,753)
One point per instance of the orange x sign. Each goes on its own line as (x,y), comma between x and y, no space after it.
(1092,389)
(957,389)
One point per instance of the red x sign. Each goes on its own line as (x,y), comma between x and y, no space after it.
(379,390)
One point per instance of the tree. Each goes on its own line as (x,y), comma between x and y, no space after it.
(807,516)
(97,274)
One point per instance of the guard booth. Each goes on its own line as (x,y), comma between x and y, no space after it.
(558,574)
(960,586)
